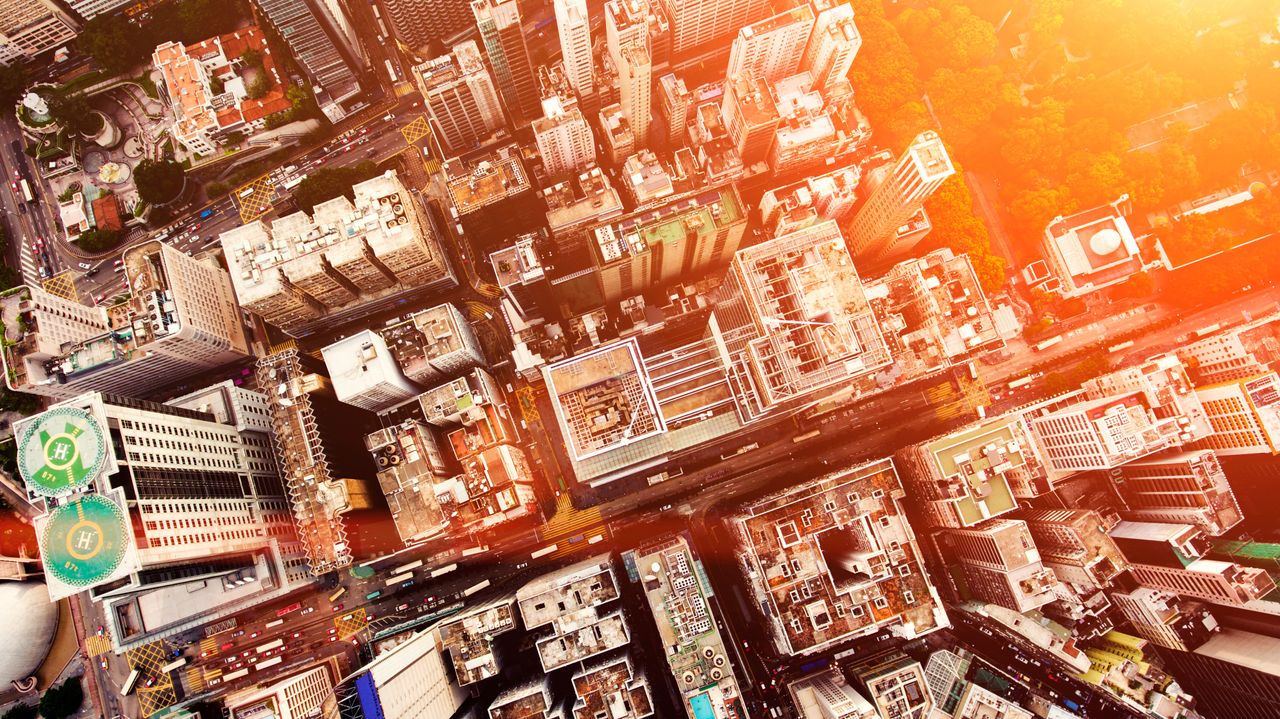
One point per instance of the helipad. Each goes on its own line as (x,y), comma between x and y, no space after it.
(84,541)
(63,450)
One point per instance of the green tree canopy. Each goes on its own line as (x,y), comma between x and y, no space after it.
(63,700)
(114,43)
(158,182)
(327,183)
(98,240)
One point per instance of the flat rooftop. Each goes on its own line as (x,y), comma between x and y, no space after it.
(707,213)
(611,689)
(479,180)
(603,399)
(570,601)
(974,462)
(425,336)
(407,479)
(469,640)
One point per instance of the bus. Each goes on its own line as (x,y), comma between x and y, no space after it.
(441,571)
(290,184)
(407,568)
(338,594)
(400,578)
(1122,346)
(235,675)
(544,551)
(174,665)
(27,194)
(475,588)
(807,435)
(373,595)
(1020,382)
(1046,344)
(269,646)
(391,72)
(288,610)
(1200,333)
(132,681)
(274,623)
(270,663)
(246,192)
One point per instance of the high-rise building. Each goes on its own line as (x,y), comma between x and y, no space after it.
(676,103)
(750,117)
(574,27)
(571,602)
(460,97)
(791,320)
(813,131)
(188,520)
(1074,543)
(635,79)
(918,173)
(978,703)
(829,196)
(31,27)
(896,684)
(1238,353)
(833,45)
(1244,413)
(345,259)
(1179,488)
(619,141)
(828,695)
(1165,618)
(418,24)
(610,686)
(1170,557)
(563,137)
(305,695)
(1001,564)
(503,38)
(365,373)
(434,345)
(772,48)
(181,318)
(408,681)
(317,36)
(1234,674)
(699,23)
(826,596)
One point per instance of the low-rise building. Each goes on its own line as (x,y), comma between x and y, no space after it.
(611,688)
(581,201)
(834,559)
(483,179)
(830,196)
(1090,250)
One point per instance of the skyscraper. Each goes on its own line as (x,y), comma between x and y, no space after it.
(181,318)
(1165,618)
(698,23)
(314,32)
(676,104)
(574,27)
(563,137)
(772,48)
(635,79)
(30,27)
(1002,565)
(1181,488)
(1244,413)
(833,45)
(1074,543)
(460,97)
(417,24)
(1170,557)
(917,174)
(503,39)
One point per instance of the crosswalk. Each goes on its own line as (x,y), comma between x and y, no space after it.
(30,266)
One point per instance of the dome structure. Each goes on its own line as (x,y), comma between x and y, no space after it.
(31,624)
(1104,242)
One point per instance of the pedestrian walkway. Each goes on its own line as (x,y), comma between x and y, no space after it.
(30,265)
(570,521)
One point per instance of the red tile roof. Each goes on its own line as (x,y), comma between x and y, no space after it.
(106,213)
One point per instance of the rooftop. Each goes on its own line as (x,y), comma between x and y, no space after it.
(427,335)
(611,689)
(403,454)
(570,602)
(1093,248)
(589,198)
(360,363)
(971,466)
(753,100)
(469,640)
(603,399)
(704,214)
(479,180)
(517,264)
(835,559)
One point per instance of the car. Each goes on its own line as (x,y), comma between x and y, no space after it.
(370,618)
(102,631)
(85,266)
(231,660)
(44,272)
(13,186)
(337,607)
(117,263)
(406,585)
(151,681)
(333,630)
(665,507)
(253,660)
(91,273)
(246,653)
(238,633)
(228,645)
(102,663)
(297,635)
(16,174)
(402,607)
(355,641)
(308,610)
(237,665)
(254,635)
(347,617)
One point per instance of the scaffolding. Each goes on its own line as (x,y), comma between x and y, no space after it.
(316,498)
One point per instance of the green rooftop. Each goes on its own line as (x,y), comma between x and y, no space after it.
(671,229)
(979,457)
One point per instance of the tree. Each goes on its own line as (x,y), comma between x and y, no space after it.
(1095,179)
(113,42)
(970,101)
(19,711)
(946,35)
(62,701)
(158,182)
(251,58)
(259,88)
(98,240)
(74,112)
(13,82)
(1032,209)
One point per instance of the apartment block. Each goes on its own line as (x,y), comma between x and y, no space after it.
(347,259)
(365,373)
(181,318)
(634,66)
(750,116)
(1104,433)
(468,639)
(696,24)
(434,345)
(675,587)
(829,196)
(611,688)
(502,35)
(574,26)
(894,199)
(978,703)
(828,695)
(1074,543)
(410,465)
(570,601)
(485,179)
(835,559)
(417,24)
(833,44)
(772,48)
(1164,383)
(460,97)
(1243,413)
(531,700)
(647,180)
(1001,564)
(1165,618)
(563,137)
(812,130)
(579,202)
(518,269)
(677,104)
(1168,557)
(1179,488)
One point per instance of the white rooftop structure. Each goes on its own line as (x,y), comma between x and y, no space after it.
(365,374)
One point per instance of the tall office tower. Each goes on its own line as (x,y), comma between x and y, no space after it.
(1165,618)
(1179,488)
(408,681)
(673,243)
(563,138)
(625,21)
(346,259)
(503,38)
(750,117)
(308,693)
(772,48)
(1244,413)
(181,318)
(418,24)
(1170,557)
(676,101)
(571,603)
(574,27)
(1235,674)
(896,684)
(31,27)
(1001,564)
(792,321)
(365,373)
(434,345)
(917,174)
(833,45)
(635,79)
(1164,383)
(828,695)
(170,514)
(460,97)
(1074,543)
(317,36)
(699,23)
(831,196)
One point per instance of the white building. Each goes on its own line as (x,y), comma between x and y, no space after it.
(563,138)
(571,602)
(772,49)
(305,695)
(826,695)
(31,27)
(434,345)
(574,27)
(917,174)
(365,373)
(635,79)
(833,44)
(460,97)
(1091,250)
(978,703)
(410,681)
(697,23)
